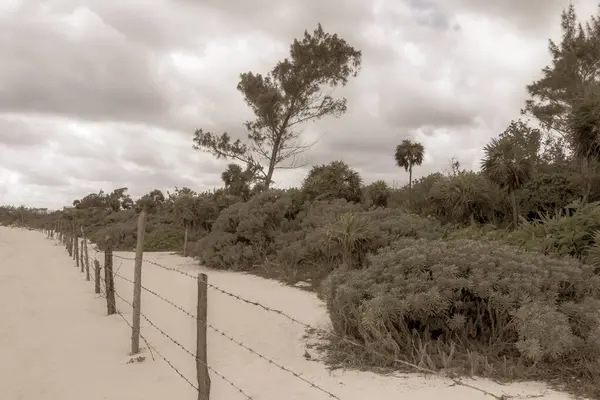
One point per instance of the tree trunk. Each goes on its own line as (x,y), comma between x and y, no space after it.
(185,240)
(270,171)
(587,175)
(410,187)
(272,162)
(513,200)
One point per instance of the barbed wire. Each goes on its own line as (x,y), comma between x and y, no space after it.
(159,296)
(151,348)
(237,342)
(257,304)
(311,328)
(346,340)
(185,349)
(186,274)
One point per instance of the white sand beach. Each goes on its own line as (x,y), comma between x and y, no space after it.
(57,343)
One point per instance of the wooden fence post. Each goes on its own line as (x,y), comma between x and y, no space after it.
(86,256)
(137,283)
(81,257)
(201,345)
(76,248)
(185,240)
(111,306)
(70,242)
(97,276)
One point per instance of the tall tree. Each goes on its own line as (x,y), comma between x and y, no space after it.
(584,124)
(409,154)
(556,98)
(296,90)
(575,65)
(507,165)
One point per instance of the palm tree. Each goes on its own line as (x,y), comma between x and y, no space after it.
(184,209)
(232,174)
(506,165)
(237,181)
(408,154)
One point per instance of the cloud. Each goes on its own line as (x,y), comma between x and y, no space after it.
(530,17)
(107,94)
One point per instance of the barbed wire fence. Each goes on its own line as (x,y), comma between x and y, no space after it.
(69,236)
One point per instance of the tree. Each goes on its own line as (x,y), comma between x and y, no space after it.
(454,166)
(151,201)
(575,65)
(120,200)
(408,154)
(377,194)
(506,164)
(527,138)
(172,196)
(333,181)
(584,126)
(296,90)
(237,181)
(92,200)
(185,211)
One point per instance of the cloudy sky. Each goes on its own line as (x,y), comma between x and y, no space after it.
(104,94)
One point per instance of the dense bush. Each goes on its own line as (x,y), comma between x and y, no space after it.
(569,232)
(377,194)
(243,234)
(333,181)
(467,196)
(436,302)
(277,235)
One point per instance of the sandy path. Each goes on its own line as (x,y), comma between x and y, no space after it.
(56,341)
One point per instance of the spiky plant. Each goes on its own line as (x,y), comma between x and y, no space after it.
(351,233)
(506,165)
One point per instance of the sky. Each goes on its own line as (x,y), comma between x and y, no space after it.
(98,94)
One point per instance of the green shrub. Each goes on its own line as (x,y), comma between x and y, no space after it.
(332,181)
(377,194)
(434,301)
(338,233)
(561,234)
(243,234)
(164,240)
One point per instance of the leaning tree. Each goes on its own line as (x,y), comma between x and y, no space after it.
(298,89)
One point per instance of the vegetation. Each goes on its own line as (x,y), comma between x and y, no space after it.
(493,272)
(294,92)
(408,154)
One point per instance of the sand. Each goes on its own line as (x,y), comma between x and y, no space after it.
(57,343)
